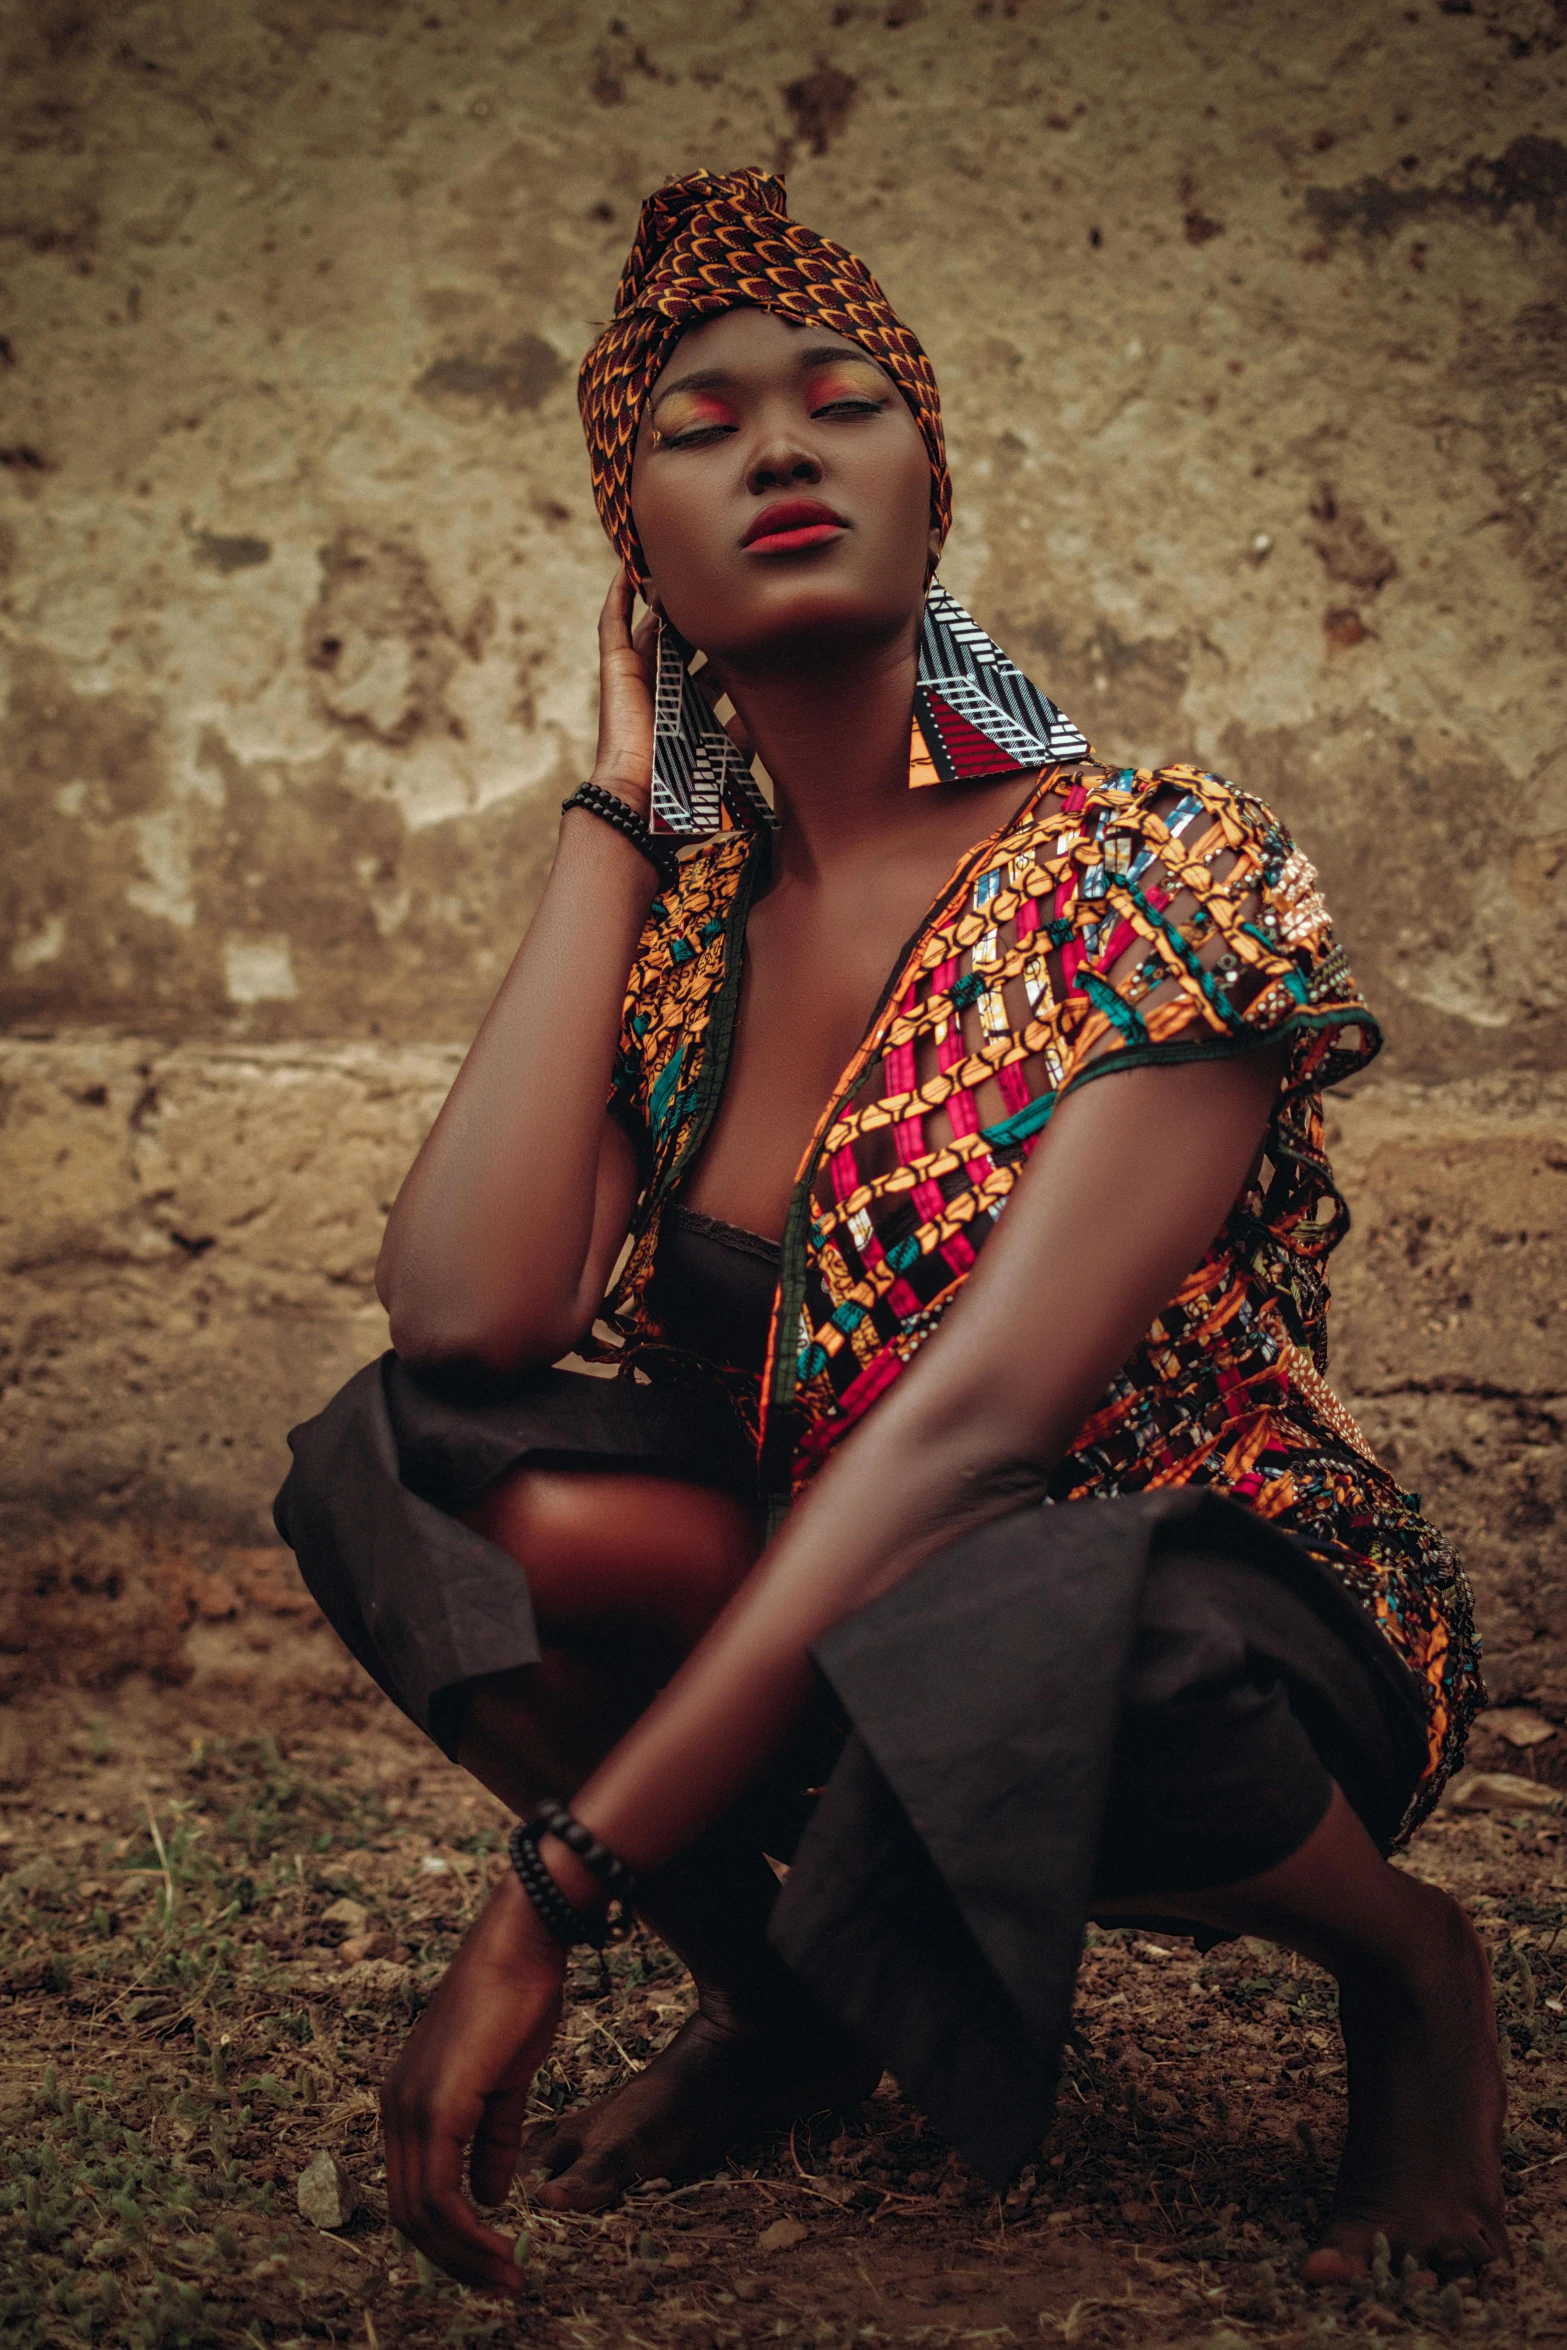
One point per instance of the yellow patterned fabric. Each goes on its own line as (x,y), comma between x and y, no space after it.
(716,242)
(1123,917)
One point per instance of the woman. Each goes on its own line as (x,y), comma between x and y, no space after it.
(1036,1536)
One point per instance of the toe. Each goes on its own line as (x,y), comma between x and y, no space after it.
(1349,2243)
(588,2185)
(1327,2265)
(546,2150)
(1462,2258)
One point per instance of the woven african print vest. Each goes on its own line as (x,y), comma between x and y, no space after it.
(1122,917)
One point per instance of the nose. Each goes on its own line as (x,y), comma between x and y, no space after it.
(781,462)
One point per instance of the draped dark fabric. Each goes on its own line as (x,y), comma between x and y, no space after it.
(1106,1698)
(1130,1697)
(423,1601)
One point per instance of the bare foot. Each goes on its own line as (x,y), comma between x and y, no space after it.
(1422,2158)
(717,2085)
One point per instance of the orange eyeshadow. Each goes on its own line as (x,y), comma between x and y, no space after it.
(846,379)
(691,411)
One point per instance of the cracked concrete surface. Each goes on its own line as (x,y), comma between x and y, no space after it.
(1250,326)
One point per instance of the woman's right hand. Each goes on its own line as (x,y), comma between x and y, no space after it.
(461,2086)
(624,762)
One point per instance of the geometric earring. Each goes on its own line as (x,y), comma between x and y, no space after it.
(975,714)
(702,781)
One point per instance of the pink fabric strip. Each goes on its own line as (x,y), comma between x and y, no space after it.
(856,1400)
(1113,943)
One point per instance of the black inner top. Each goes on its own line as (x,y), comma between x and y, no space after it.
(713,1288)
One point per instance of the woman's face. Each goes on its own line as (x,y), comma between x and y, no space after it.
(781,491)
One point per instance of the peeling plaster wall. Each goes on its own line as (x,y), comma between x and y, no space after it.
(1249,320)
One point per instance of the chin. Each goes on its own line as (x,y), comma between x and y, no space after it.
(810,612)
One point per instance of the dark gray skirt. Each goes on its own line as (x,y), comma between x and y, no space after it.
(1135,1697)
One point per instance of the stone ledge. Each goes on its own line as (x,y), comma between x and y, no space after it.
(187,1241)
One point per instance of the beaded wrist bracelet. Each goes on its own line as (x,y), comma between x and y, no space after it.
(611,1871)
(565,1923)
(614,810)
(561,1919)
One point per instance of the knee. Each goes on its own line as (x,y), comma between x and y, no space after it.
(602,1551)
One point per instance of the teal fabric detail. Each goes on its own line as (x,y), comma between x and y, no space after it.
(903,1254)
(967,990)
(812,1361)
(681,950)
(711,929)
(1192,962)
(1121,1014)
(1058,932)
(1022,1123)
(848,1316)
(668,1078)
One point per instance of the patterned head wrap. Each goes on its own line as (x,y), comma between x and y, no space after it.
(716,242)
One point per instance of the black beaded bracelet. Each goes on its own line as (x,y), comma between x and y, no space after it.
(614,810)
(611,1871)
(565,1923)
(560,1918)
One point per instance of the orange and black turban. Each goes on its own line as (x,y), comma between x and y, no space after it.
(717,242)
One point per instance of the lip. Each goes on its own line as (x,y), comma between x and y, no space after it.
(790,525)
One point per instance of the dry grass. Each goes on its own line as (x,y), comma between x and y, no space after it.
(186,2029)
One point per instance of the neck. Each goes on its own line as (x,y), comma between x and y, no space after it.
(833,734)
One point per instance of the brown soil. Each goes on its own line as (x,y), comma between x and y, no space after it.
(187,2025)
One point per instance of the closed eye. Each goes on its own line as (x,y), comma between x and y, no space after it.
(850,407)
(698,436)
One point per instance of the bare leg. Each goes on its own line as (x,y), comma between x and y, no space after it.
(1422,2155)
(625,1574)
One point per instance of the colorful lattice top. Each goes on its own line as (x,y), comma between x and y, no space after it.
(1122,917)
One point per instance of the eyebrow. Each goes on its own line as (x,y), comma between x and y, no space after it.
(711,378)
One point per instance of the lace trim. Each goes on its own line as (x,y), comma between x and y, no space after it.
(735,1236)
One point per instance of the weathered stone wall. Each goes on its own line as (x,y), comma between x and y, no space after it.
(1249,322)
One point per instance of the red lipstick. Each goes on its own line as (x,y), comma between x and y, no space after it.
(790,525)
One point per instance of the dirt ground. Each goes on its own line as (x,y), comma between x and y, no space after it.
(220,1909)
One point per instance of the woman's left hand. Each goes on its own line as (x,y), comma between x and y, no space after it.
(463,2078)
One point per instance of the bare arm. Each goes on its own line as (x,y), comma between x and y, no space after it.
(501,1241)
(1062,1294)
